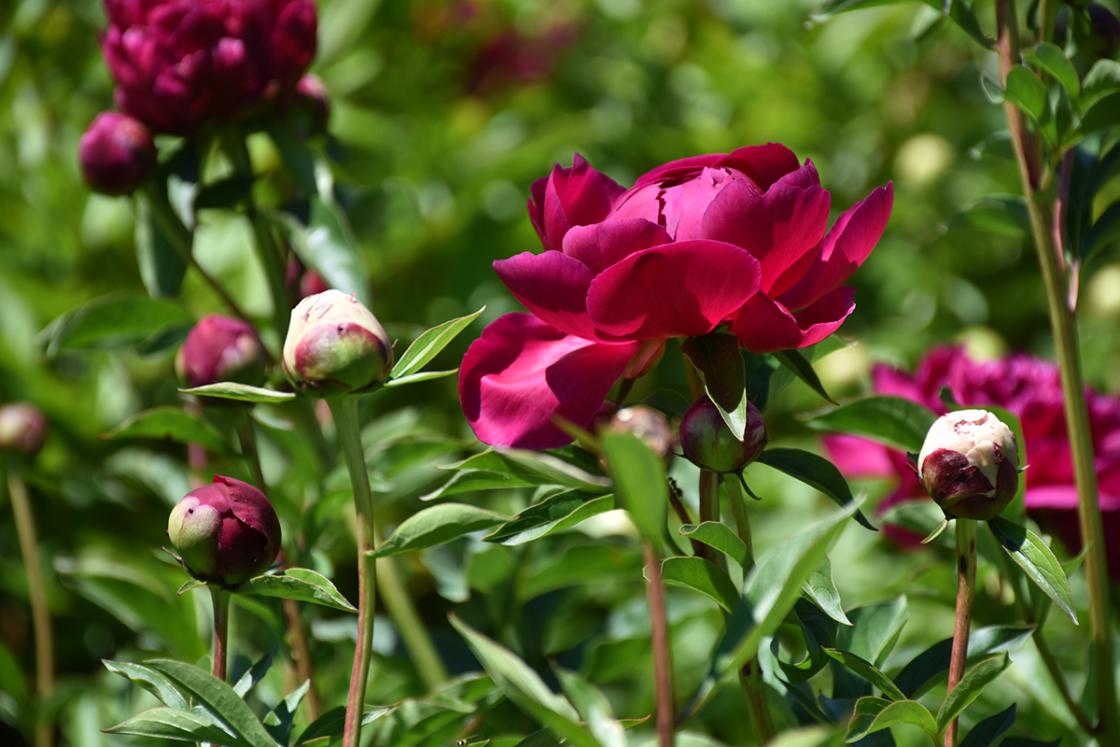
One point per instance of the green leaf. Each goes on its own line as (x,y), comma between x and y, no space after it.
(969,688)
(718,535)
(223,193)
(822,590)
(531,468)
(524,687)
(594,707)
(719,363)
(833,7)
(437,525)
(988,731)
(113,322)
(1102,79)
(1053,60)
(929,667)
(417,378)
(800,366)
(875,714)
(240,393)
(639,481)
(893,421)
(177,725)
(1102,115)
(875,630)
(866,671)
(253,675)
(300,584)
(772,589)
(700,575)
(170,423)
(149,679)
(554,514)
(162,268)
(815,471)
(999,215)
(429,343)
(580,566)
(472,481)
(1037,561)
(216,695)
(1027,92)
(326,245)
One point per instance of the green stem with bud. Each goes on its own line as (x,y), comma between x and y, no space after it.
(1056,280)
(220,599)
(345,413)
(966,587)
(37,595)
(662,655)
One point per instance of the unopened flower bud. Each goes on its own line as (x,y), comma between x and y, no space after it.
(708,443)
(225,532)
(648,424)
(969,464)
(116,153)
(336,345)
(23,428)
(220,348)
(312,106)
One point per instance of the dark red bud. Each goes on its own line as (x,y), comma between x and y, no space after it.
(116,153)
(221,348)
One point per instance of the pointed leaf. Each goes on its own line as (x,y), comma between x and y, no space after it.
(866,671)
(149,679)
(975,679)
(300,584)
(822,590)
(988,731)
(437,525)
(418,378)
(815,471)
(892,421)
(1027,92)
(1036,559)
(594,707)
(1053,60)
(554,514)
(429,344)
(875,714)
(800,366)
(639,481)
(718,535)
(240,393)
(700,575)
(717,359)
(177,725)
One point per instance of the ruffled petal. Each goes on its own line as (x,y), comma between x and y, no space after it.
(764,325)
(600,245)
(551,285)
(521,373)
(764,164)
(569,197)
(680,289)
(778,227)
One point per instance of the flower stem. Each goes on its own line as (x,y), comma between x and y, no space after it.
(219,597)
(662,656)
(709,510)
(966,584)
(345,413)
(1064,328)
(37,594)
(301,652)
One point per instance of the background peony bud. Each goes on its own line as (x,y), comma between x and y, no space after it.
(969,464)
(226,532)
(335,344)
(648,424)
(23,428)
(708,443)
(219,348)
(116,153)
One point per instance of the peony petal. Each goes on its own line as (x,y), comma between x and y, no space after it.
(575,196)
(764,325)
(778,227)
(764,164)
(600,245)
(845,248)
(521,373)
(551,285)
(858,457)
(680,289)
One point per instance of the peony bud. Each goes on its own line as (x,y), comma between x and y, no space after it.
(708,443)
(116,153)
(23,428)
(969,464)
(219,348)
(312,106)
(225,532)
(336,345)
(648,424)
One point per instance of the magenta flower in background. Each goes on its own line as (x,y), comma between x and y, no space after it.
(220,348)
(1031,389)
(116,153)
(737,238)
(181,63)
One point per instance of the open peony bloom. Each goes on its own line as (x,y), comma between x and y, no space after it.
(1031,389)
(180,63)
(737,238)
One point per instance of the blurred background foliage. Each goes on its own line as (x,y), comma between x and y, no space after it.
(443,115)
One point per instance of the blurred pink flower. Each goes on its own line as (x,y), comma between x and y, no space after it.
(116,153)
(683,251)
(1031,389)
(220,348)
(181,63)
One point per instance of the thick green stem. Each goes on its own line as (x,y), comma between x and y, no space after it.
(966,585)
(37,595)
(409,625)
(662,656)
(1063,326)
(345,413)
(709,510)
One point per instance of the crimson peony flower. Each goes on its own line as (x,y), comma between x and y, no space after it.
(116,153)
(736,238)
(181,63)
(219,348)
(225,532)
(1031,389)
